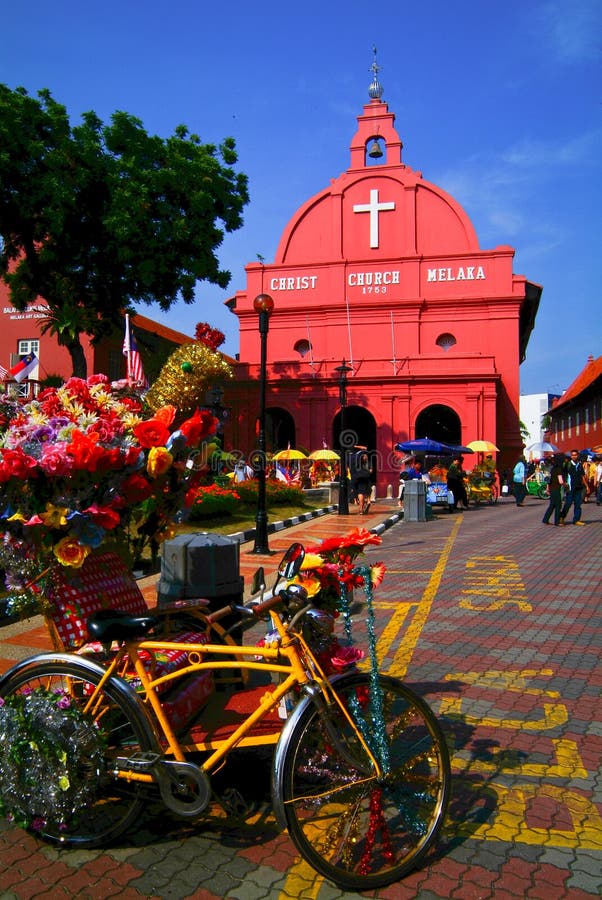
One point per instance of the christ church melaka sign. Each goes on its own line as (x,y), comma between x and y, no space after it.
(379,280)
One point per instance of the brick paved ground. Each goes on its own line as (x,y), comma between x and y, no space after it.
(494,618)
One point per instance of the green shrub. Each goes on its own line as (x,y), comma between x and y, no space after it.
(278,493)
(212,500)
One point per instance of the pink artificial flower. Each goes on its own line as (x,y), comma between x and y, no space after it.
(54,460)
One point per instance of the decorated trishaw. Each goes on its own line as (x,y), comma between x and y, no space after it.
(136,704)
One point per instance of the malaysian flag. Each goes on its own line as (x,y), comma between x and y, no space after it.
(4,373)
(135,371)
(24,367)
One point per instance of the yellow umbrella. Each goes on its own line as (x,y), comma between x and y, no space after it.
(289,454)
(483,447)
(324,454)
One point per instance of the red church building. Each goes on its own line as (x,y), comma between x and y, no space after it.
(383,271)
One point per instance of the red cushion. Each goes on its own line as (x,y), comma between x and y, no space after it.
(103,582)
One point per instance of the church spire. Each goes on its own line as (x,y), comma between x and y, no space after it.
(375,91)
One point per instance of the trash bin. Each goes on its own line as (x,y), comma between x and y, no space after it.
(201,564)
(414,501)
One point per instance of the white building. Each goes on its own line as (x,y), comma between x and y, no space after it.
(532,409)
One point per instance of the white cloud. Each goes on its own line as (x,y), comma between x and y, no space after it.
(571,30)
(503,192)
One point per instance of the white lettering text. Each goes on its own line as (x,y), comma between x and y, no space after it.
(462,273)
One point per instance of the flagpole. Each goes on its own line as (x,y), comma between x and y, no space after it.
(128,349)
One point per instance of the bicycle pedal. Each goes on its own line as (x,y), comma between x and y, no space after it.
(141,761)
(234,804)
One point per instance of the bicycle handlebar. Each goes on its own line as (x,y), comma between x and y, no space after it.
(257,609)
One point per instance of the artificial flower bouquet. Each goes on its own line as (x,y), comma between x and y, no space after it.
(329,573)
(84,467)
(334,562)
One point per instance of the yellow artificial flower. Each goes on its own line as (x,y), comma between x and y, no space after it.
(158,462)
(312,561)
(311,584)
(55,516)
(70,552)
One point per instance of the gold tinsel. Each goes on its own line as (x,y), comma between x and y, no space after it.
(185,378)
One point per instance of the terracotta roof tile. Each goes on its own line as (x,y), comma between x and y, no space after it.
(587,376)
(176,337)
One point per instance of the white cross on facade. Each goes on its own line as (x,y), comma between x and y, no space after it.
(374,207)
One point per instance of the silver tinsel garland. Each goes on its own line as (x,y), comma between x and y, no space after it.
(51,759)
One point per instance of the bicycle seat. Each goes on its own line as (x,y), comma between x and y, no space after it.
(108,625)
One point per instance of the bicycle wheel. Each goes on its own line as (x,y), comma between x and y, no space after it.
(61,785)
(358,830)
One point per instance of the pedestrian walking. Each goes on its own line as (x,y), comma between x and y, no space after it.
(361,479)
(519,478)
(555,492)
(575,484)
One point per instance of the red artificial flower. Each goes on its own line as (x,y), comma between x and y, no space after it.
(17,464)
(166,414)
(130,455)
(199,426)
(151,433)
(377,573)
(85,451)
(78,388)
(360,537)
(136,488)
(103,516)
(106,427)
(328,545)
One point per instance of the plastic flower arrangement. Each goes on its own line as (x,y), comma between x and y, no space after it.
(84,468)
(332,563)
(329,573)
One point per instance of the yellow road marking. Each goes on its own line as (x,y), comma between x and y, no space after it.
(299,882)
(402,658)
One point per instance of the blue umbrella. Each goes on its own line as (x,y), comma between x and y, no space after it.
(460,449)
(425,445)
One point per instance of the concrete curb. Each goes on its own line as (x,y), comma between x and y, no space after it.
(244,536)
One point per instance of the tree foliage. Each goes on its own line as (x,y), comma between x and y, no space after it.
(95,217)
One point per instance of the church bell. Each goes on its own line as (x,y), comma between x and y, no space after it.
(375,152)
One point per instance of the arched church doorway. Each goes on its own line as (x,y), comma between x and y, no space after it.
(360,430)
(440,423)
(280,431)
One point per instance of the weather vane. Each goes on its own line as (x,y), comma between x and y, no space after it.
(375,91)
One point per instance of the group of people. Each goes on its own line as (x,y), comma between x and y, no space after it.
(569,483)
(455,480)
(568,486)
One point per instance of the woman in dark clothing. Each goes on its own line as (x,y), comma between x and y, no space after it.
(361,480)
(455,483)
(555,488)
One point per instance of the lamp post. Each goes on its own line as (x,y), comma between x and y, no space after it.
(343,485)
(263,305)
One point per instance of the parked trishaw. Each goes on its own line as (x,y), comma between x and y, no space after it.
(481,487)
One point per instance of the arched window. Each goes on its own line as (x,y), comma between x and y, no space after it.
(302,347)
(446,341)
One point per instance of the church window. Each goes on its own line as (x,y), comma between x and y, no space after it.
(302,347)
(446,341)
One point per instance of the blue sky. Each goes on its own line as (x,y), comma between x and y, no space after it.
(499,103)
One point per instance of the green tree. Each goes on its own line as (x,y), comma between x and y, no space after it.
(97,217)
